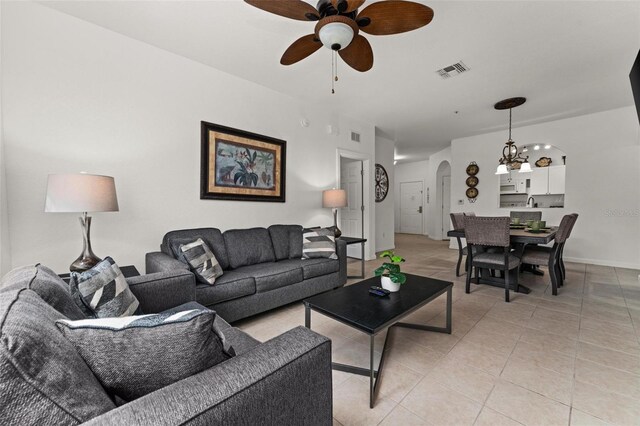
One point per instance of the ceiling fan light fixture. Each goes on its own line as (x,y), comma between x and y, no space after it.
(336,35)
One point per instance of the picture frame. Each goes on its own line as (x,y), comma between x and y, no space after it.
(241,166)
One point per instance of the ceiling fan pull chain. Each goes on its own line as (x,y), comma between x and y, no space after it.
(334,78)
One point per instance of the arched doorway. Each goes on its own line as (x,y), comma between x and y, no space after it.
(443,200)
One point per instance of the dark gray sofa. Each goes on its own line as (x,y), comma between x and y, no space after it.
(262,268)
(43,380)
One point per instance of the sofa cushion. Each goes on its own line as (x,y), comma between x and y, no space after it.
(46,284)
(319,243)
(231,285)
(211,236)
(270,276)
(202,261)
(136,355)
(312,268)
(248,247)
(103,291)
(285,241)
(43,380)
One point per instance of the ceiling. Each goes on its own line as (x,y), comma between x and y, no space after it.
(567,58)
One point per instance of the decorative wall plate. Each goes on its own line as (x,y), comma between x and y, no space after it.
(382,183)
(543,162)
(472,181)
(472,193)
(472,169)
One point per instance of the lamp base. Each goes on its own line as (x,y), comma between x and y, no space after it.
(87,258)
(336,231)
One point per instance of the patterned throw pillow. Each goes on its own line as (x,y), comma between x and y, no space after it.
(202,261)
(103,292)
(134,356)
(319,243)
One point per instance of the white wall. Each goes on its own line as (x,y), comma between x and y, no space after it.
(417,171)
(77,97)
(5,247)
(602,181)
(385,239)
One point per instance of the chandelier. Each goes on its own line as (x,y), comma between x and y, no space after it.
(511,158)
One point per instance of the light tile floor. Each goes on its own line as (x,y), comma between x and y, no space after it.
(571,359)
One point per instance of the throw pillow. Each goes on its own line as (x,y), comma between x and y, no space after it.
(202,261)
(134,356)
(319,243)
(103,292)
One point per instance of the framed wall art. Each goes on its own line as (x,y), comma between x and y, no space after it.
(242,166)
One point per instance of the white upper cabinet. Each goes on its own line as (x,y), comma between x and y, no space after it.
(548,180)
(556,179)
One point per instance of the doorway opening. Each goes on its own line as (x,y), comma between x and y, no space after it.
(354,220)
(443,201)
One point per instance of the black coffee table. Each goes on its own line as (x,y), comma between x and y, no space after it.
(355,307)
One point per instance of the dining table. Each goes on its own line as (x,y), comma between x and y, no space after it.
(519,238)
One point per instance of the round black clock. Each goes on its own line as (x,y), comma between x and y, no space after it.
(382,183)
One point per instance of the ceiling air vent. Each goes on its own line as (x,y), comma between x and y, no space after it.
(453,70)
(355,137)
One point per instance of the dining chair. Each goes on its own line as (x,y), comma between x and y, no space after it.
(457,221)
(563,272)
(551,256)
(494,232)
(526,215)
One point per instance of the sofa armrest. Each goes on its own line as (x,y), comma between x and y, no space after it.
(284,381)
(160,291)
(158,261)
(341,251)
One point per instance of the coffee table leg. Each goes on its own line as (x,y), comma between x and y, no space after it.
(371,371)
(307,316)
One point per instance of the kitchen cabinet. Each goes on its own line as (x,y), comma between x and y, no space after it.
(513,185)
(548,180)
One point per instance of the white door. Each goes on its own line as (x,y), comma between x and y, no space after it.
(411,207)
(446,206)
(351,216)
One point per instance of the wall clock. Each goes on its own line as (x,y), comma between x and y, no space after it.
(382,183)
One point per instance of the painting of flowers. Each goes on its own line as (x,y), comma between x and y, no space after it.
(238,165)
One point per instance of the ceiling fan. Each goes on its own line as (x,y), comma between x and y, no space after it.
(339,24)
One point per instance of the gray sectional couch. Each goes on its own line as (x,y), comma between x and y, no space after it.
(262,268)
(44,381)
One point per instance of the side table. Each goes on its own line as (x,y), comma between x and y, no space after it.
(127,271)
(361,241)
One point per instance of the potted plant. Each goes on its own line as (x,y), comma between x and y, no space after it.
(390,276)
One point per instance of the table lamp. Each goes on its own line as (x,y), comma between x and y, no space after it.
(335,199)
(81,193)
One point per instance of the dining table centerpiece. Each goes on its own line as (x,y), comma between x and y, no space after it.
(391,278)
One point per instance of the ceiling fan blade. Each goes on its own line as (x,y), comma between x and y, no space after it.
(300,49)
(347,6)
(393,17)
(358,54)
(294,9)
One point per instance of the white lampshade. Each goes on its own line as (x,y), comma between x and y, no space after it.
(334,198)
(78,193)
(525,167)
(502,169)
(336,35)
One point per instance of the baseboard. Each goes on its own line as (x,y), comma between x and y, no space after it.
(383,249)
(601,262)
